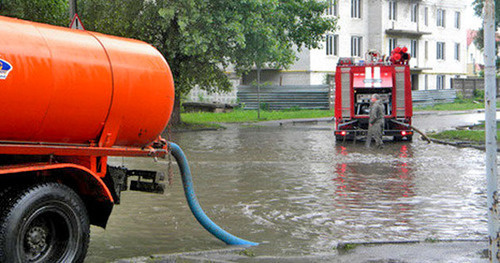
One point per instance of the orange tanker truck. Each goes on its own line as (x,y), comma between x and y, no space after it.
(69,99)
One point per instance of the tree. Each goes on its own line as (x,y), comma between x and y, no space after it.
(479,38)
(201,38)
(478,10)
(45,11)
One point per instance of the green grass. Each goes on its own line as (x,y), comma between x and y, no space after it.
(475,135)
(237,116)
(346,247)
(247,252)
(458,105)
(431,240)
(481,125)
(460,135)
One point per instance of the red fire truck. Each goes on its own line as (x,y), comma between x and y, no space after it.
(356,82)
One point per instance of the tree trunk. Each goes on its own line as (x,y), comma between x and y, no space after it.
(175,118)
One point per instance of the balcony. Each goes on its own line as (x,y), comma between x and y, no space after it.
(406,33)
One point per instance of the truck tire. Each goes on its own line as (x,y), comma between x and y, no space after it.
(43,223)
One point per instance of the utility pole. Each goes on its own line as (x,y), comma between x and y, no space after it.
(72,9)
(491,129)
(258,91)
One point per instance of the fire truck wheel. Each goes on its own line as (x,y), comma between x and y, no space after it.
(43,223)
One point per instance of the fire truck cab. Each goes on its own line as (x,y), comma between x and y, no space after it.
(356,82)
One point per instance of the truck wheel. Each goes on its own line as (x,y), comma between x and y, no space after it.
(43,223)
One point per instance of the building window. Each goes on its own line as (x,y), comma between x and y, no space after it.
(440,50)
(414,47)
(393,9)
(426,16)
(426,44)
(332,43)
(440,82)
(414,12)
(440,18)
(393,43)
(457,20)
(332,8)
(356,46)
(356,8)
(457,51)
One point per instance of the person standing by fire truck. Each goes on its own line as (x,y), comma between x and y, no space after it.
(376,122)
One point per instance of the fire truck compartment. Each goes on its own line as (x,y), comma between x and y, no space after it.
(363,96)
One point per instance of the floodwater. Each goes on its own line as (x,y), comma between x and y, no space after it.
(297,192)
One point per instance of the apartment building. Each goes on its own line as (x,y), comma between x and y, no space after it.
(432,31)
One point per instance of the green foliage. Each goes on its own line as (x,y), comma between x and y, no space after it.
(460,135)
(474,134)
(53,12)
(294,108)
(458,105)
(344,247)
(264,106)
(247,252)
(251,116)
(201,98)
(431,240)
(478,10)
(200,38)
(479,94)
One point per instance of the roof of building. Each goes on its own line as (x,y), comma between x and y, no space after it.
(471,34)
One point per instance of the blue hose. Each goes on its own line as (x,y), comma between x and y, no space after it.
(194,205)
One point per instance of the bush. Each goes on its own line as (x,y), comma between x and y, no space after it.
(294,108)
(479,94)
(264,106)
(460,98)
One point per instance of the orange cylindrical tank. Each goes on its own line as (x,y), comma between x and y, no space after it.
(59,85)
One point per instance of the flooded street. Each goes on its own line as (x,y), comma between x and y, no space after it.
(298,192)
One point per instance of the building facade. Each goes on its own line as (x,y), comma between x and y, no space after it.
(432,31)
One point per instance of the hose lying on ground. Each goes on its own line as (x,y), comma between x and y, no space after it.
(415,129)
(194,205)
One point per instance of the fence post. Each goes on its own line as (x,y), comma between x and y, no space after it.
(463,89)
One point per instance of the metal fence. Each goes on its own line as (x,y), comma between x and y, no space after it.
(431,97)
(320,97)
(286,97)
(468,87)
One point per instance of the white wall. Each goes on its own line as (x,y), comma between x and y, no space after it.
(373,25)
(314,65)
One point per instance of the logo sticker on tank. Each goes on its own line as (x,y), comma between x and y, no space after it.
(5,68)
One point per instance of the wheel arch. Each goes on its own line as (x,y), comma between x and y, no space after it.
(90,187)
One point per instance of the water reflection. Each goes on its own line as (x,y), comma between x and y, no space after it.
(369,193)
(298,192)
